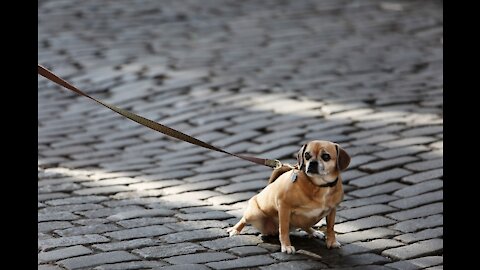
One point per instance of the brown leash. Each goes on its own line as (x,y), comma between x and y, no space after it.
(154,125)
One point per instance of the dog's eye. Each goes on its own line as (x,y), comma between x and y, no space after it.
(308,156)
(326,157)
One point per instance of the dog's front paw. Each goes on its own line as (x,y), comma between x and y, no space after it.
(232,231)
(333,244)
(317,234)
(288,249)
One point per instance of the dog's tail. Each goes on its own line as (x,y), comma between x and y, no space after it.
(277,172)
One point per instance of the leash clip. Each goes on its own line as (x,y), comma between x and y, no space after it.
(274,163)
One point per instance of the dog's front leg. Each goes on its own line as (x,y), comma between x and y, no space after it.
(284,228)
(331,238)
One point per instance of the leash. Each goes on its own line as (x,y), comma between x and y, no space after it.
(273,163)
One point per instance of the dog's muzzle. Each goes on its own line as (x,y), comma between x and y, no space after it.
(313,167)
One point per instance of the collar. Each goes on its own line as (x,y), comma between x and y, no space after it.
(331,184)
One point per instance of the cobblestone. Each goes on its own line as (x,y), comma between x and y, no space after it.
(352,174)
(231,198)
(419,188)
(418,200)
(130,265)
(413,225)
(420,263)
(360,160)
(111,182)
(125,245)
(415,250)
(90,221)
(168,250)
(197,224)
(89,229)
(141,213)
(374,245)
(79,199)
(408,141)
(200,258)
(206,215)
(366,201)
(421,235)
(369,234)
(51,196)
(425,165)
(379,178)
(366,75)
(188,266)
(102,190)
(53,225)
(63,253)
(57,216)
(363,223)
(70,208)
(247,251)
(193,186)
(364,211)
(71,241)
(48,267)
(377,189)
(105,212)
(251,261)
(155,185)
(244,186)
(402,151)
(426,175)
(385,164)
(154,230)
(421,211)
(96,259)
(141,222)
(300,255)
(225,243)
(193,235)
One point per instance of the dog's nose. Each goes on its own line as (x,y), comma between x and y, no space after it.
(313,167)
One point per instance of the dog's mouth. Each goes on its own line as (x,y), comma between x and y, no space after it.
(322,173)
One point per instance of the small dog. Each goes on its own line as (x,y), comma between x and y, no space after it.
(300,196)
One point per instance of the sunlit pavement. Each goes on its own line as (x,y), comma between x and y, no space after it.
(255,77)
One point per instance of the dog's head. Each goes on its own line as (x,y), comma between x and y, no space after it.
(322,161)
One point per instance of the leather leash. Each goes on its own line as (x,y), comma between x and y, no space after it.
(273,163)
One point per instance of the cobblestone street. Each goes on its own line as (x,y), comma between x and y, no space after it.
(253,77)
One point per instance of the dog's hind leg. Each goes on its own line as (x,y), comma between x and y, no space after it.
(248,216)
(253,215)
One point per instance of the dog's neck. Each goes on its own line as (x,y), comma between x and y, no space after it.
(331,184)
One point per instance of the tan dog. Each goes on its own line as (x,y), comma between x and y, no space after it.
(300,197)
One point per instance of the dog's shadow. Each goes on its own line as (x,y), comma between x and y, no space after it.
(312,249)
(306,248)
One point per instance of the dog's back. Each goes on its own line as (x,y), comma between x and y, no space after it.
(277,172)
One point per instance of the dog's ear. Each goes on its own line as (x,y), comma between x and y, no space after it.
(300,156)
(343,159)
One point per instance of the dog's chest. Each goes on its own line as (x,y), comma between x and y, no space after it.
(312,213)
(315,212)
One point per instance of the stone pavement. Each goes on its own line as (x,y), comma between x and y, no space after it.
(255,77)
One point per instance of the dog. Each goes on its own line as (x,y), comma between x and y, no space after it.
(300,196)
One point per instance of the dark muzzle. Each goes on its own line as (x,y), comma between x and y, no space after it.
(313,167)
